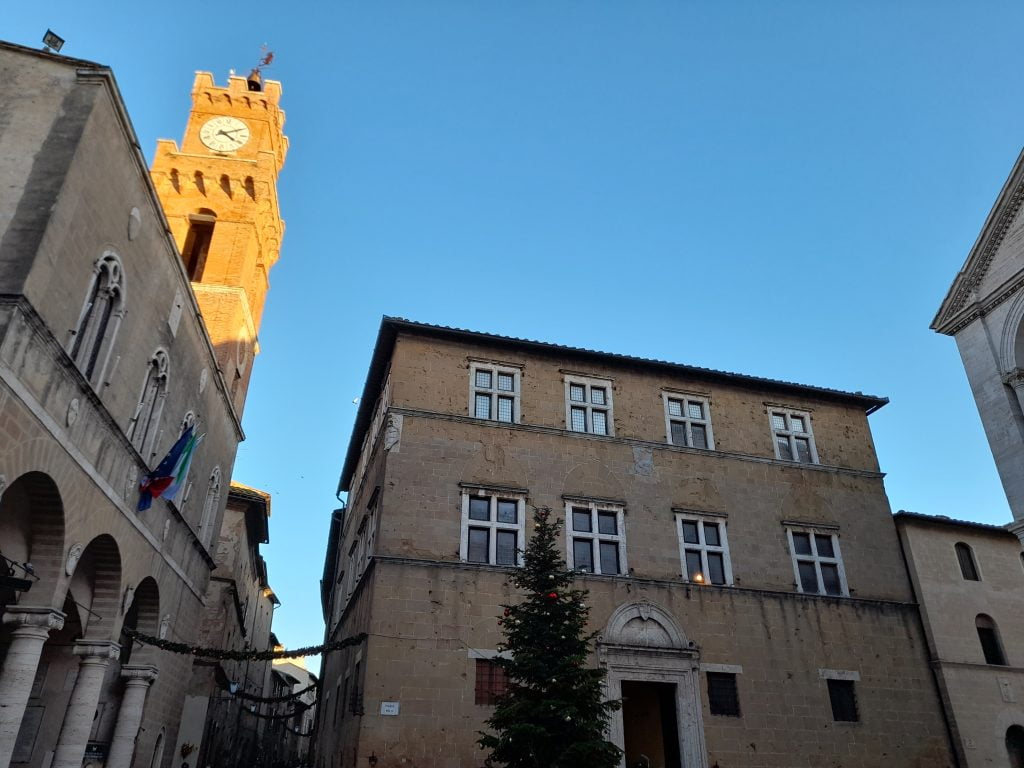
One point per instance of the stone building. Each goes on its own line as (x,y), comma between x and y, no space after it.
(108,274)
(744,570)
(219,726)
(291,723)
(984,312)
(969,581)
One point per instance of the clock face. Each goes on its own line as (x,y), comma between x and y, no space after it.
(224,134)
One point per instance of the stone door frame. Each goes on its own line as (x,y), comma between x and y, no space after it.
(662,655)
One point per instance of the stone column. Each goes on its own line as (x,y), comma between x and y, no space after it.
(32,625)
(78,717)
(137,679)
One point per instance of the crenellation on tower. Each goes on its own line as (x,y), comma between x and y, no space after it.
(219,193)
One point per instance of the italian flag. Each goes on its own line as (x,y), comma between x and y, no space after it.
(169,475)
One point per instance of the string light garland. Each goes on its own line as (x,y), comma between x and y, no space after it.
(223,654)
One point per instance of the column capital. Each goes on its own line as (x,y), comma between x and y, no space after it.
(139,674)
(99,650)
(1014,378)
(34,616)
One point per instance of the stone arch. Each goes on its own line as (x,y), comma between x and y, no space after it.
(1011,349)
(32,533)
(142,613)
(96,584)
(1015,745)
(644,624)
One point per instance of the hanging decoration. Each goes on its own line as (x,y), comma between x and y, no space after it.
(223,654)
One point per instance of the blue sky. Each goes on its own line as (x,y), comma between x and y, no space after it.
(785,189)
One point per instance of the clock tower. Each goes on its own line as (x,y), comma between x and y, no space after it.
(219,193)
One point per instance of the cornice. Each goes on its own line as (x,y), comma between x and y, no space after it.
(993,233)
(654,445)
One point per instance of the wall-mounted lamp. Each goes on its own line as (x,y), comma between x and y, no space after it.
(372,759)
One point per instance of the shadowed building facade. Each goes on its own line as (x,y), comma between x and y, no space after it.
(969,581)
(744,570)
(105,360)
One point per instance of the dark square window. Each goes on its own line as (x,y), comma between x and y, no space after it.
(581,520)
(505,547)
(507,511)
(693,566)
(824,545)
(690,535)
(844,701)
(583,555)
(830,575)
(678,433)
(700,435)
(479,509)
(802,543)
(607,522)
(716,568)
(808,577)
(711,535)
(479,545)
(723,697)
(491,682)
(609,557)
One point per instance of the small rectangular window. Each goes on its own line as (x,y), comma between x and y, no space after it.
(492,528)
(595,539)
(723,697)
(687,420)
(817,563)
(588,405)
(794,440)
(843,696)
(494,392)
(704,550)
(491,682)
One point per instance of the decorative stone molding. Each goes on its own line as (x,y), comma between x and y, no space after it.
(34,616)
(646,625)
(96,649)
(134,223)
(1017,529)
(72,415)
(139,674)
(74,555)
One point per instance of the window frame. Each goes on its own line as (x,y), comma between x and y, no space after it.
(686,398)
(594,535)
(494,684)
(791,434)
(493,525)
(972,561)
(723,675)
(996,648)
(702,547)
(156,380)
(495,369)
(608,408)
(99,320)
(817,559)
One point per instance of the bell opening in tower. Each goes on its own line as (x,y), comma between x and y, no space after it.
(197,243)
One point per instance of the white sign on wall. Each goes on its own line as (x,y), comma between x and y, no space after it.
(389,707)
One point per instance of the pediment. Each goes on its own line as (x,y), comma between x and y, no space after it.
(994,269)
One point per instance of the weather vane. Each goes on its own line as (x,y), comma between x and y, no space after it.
(255,78)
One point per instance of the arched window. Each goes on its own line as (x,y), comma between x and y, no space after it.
(1015,745)
(968,568)
(144,425)
(158,751)
(988,634)
(101,315)
(210,508)
(197,242)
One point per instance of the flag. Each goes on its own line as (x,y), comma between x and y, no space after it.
(182,467)
(157,481)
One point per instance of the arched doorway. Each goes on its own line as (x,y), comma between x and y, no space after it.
(653,668)
(1015,745)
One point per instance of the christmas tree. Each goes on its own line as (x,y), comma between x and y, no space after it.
(554,714)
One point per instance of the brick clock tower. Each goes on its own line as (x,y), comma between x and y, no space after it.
(219,193)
